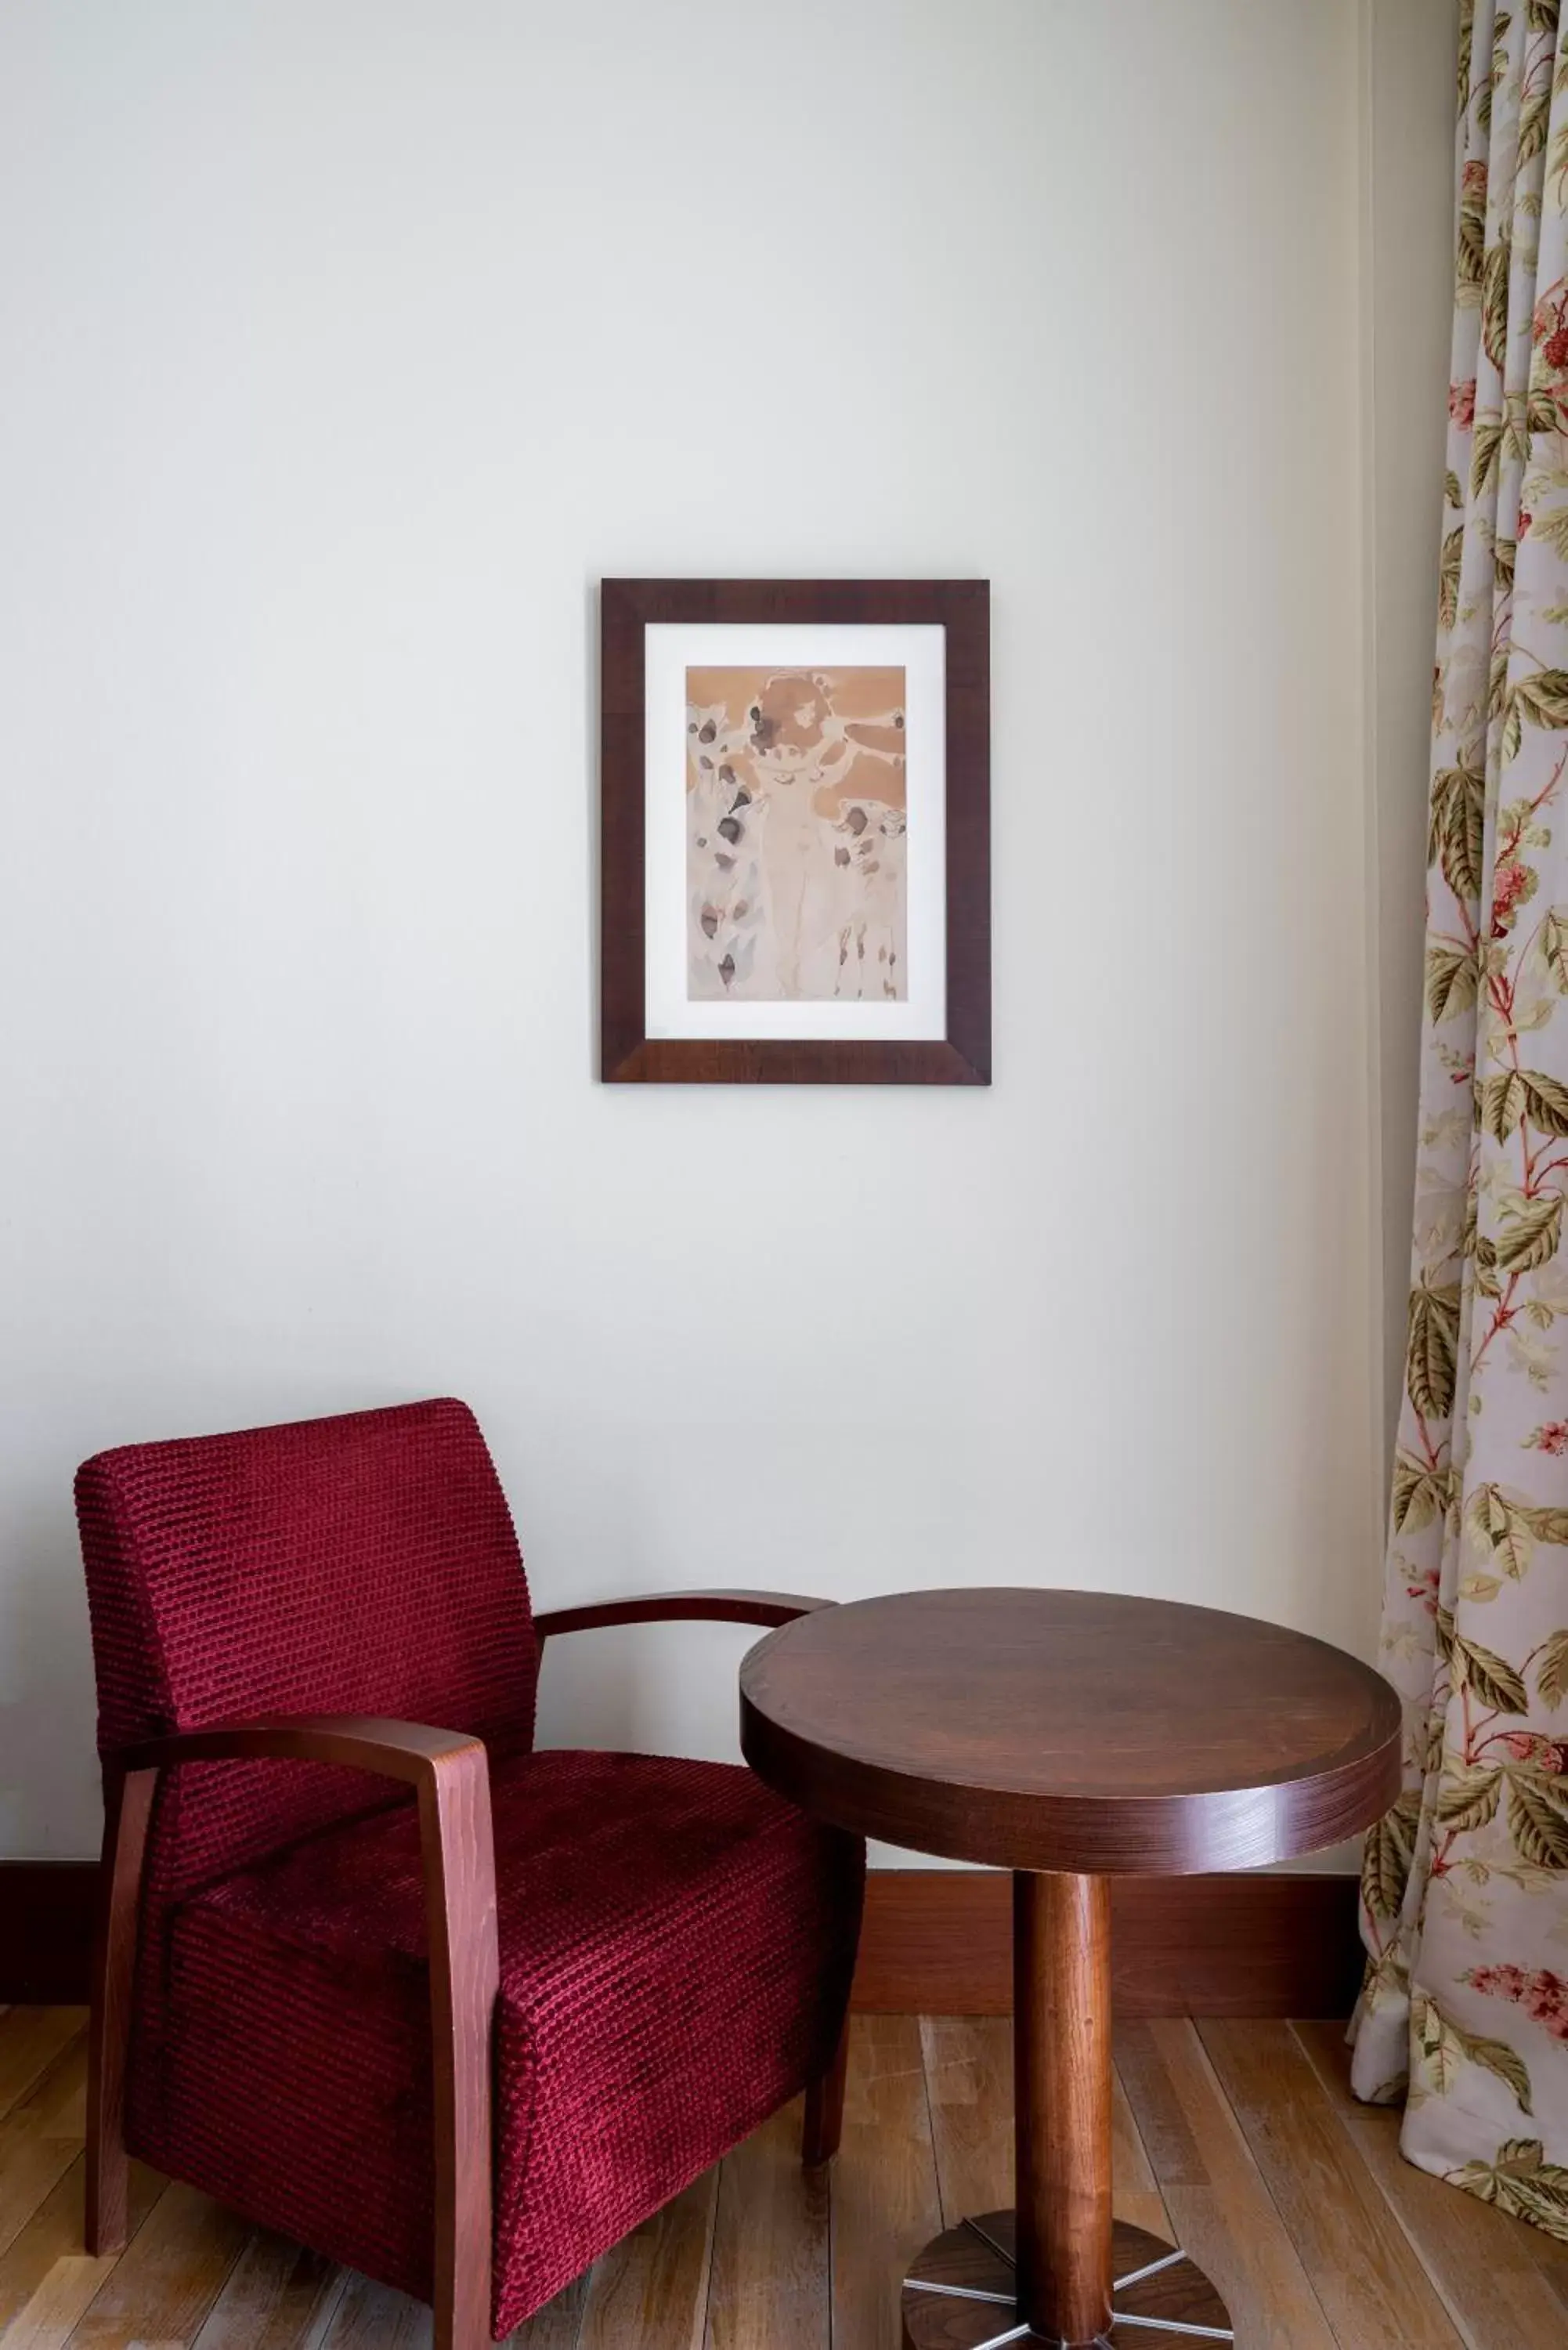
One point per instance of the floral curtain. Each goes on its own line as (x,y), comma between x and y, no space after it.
(1465,1884)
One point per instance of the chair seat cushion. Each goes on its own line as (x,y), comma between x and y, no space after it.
(675,1946)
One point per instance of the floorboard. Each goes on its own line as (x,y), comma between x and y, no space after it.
(54,2233)
(884,2197)
(1240,2138)
(1221,2208)
(1488,2270)
(31,2040)
(1366,2275)
(277,2296)
(771,2277)
(373,2317)
(969,2084)
(559,2325)
(162,2286)
(968,2090)
(41,2137)
(652,2288)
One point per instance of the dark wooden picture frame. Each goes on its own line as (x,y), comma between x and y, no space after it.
(961,608)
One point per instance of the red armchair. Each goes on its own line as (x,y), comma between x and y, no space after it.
(463,2042)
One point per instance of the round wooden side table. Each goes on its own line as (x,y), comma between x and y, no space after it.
(1069,1736)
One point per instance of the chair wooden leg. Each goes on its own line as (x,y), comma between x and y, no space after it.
(825,2108)
(127,1805)
(462,2313)
(459,1852)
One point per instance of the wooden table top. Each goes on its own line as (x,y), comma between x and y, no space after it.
(1071,1730)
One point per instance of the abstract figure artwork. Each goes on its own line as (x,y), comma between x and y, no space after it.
(795,826)
(794,832)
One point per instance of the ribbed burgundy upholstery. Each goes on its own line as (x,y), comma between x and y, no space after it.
(676,1948)
(675,1943)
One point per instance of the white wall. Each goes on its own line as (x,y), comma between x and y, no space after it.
(1410,53)
(349,345)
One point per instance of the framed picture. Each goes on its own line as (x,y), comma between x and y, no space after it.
(794,831)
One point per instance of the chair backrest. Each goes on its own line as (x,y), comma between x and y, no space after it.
(360,1564)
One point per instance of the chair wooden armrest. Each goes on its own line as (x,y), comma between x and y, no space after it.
(451,1773)
(765,1607)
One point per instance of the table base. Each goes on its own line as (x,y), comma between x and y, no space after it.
(959,2293)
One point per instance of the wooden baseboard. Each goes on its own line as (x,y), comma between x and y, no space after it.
(937,1942)
(46,1930)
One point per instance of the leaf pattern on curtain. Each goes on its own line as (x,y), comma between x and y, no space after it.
(1465,1883)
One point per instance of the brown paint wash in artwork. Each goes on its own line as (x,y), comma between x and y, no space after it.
(796,841)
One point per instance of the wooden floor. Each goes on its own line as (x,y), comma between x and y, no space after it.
(1239,2140)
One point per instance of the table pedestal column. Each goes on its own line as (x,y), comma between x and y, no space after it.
(1058,2271)
(1061,2077)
